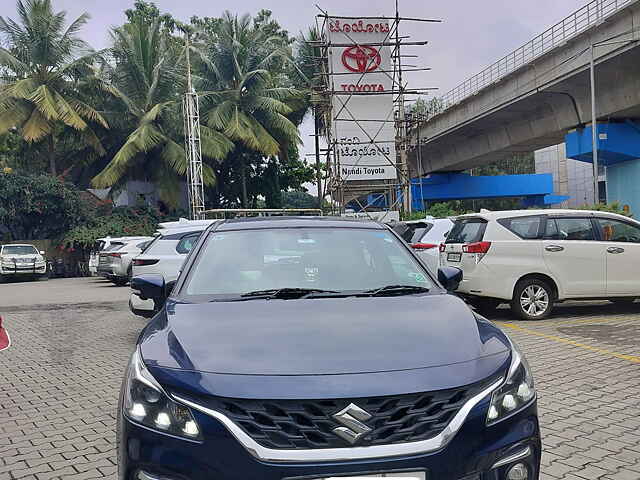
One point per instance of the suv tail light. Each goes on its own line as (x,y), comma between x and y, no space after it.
(117,255)
(442,247)
(423,246)
(477,247)
(141,262)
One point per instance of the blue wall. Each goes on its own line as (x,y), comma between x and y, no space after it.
(623,185)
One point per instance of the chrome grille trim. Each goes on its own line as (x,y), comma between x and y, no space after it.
(349,453)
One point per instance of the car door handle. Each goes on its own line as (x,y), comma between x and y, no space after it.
(615,250)
(554,248)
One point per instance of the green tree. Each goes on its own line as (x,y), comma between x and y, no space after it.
(147,78)
(44,69)
(242,67)
(38,206)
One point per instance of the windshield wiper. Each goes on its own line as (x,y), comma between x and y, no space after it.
(283,293)
(390,290)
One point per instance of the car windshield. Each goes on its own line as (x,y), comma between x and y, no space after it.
(335,259)
(19,250)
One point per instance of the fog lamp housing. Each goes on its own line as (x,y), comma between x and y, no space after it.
(519,471)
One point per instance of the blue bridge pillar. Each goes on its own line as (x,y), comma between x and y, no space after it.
(619,150)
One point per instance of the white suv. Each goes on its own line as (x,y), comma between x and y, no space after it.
(533,258)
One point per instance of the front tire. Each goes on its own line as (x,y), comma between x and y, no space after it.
(532,299)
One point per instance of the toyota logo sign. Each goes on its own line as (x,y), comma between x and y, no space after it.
(361,59)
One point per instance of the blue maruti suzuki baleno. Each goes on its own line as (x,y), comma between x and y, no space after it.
(319,348)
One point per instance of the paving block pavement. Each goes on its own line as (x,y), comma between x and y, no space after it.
(61,377)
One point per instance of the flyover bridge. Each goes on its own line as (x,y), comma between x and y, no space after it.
(535,95)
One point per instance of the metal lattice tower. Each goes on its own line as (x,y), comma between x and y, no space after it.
(191,113)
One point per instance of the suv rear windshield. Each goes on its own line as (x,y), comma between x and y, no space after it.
(467,230)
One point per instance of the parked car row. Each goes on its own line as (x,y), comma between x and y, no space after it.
(118,259)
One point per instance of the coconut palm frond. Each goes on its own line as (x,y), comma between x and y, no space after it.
(36,127)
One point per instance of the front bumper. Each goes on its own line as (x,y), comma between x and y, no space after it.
(470,455)
(23,269)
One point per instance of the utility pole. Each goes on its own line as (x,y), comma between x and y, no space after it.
(594,128)
(193,149)
(405,178)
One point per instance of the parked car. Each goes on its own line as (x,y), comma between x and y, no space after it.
(425,237)
(115,262)
(319,348)
(167,251)
(101,245)
(535,258)
(22,261)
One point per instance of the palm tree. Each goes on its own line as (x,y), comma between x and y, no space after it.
(241,64)
(43,71)
(147,78)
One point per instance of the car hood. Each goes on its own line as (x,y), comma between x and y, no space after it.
(242,348)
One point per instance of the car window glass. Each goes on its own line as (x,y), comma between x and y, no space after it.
(467,231)
(186,244)
(237,262)
(19,250)
(569,229)
(617,231)
(420,232)
(113,246)
(527,228)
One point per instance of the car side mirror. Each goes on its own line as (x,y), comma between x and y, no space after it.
(450,277)
(42,252)
(150,287)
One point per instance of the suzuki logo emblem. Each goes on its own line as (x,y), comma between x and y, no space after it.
(352,417)
(361,59)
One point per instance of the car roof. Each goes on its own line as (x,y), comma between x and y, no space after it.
(18,245)
(165,232)
(487,215)
(427,220)
(185,223)
(297,222)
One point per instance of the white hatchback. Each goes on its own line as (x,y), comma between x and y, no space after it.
(534,258)
(425,236)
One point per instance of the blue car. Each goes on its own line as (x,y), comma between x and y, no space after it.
(319,348)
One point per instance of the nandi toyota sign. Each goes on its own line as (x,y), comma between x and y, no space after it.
(362,109)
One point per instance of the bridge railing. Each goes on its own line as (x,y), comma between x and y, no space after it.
(591,14)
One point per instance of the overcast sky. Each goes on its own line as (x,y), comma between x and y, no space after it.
(472,35)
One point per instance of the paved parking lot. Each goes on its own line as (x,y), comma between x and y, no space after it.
(72,338)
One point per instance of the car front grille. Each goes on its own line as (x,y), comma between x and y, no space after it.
(310,424)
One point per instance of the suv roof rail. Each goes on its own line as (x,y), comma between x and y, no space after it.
(263,212)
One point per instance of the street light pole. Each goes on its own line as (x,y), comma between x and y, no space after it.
(594,128)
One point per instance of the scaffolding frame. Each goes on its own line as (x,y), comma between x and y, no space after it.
(342,190)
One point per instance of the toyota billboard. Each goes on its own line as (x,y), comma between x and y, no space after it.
(362,105)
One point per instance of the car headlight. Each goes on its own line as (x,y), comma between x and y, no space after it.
(146,402)
(517,391)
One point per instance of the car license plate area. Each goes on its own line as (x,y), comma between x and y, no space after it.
(397,476)
(454,257)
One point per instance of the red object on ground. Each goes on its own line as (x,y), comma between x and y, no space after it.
(4,337)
